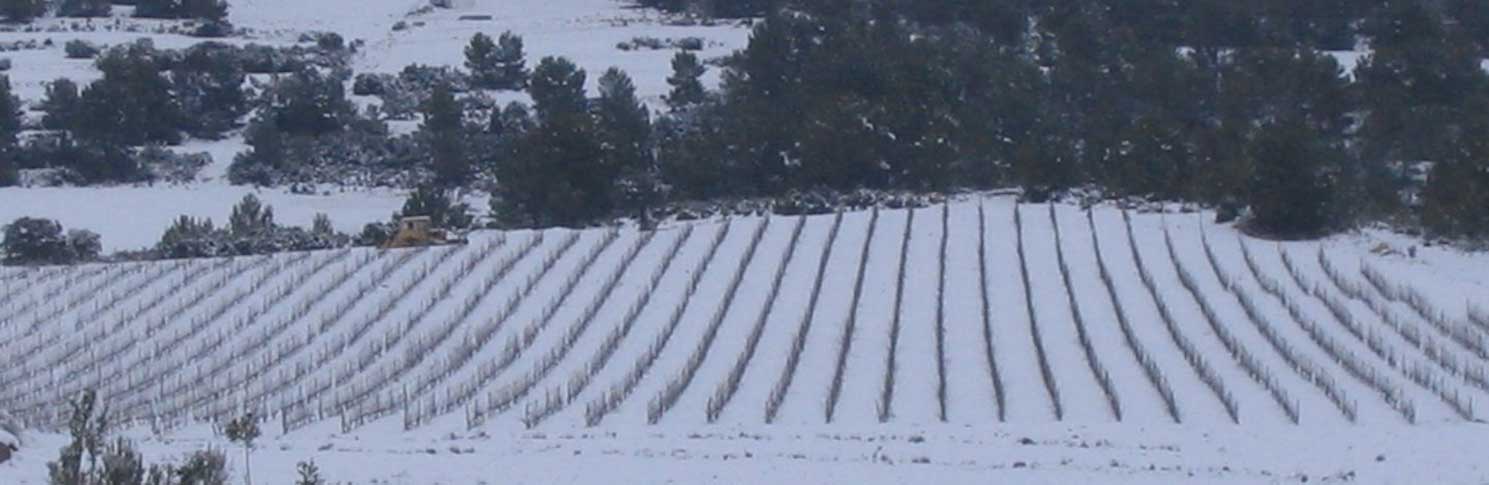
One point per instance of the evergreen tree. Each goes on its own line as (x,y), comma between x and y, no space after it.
(22,11)
(35,241)
(308,474)
(557,90)
(497,65)
(624,127)
(61,105)
(9,172)
(266,156)
(10,124)
(208,82)
(1455,200)
(444,131)
(556,174)
(687,89)
(244,430)
(309,103)
(84,8)
(189,237)
(1294,181)
(250,217)
(133,104)
(480,59)
(209,10)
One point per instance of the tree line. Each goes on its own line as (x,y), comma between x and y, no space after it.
(1237,105)
(1232,104)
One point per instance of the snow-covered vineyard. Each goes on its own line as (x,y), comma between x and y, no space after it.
(969,313)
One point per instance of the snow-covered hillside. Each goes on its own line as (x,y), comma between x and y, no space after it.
(945,335)
(130,217)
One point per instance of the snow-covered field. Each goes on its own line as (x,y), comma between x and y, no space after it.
(976,342)
(134,217)
(709,353)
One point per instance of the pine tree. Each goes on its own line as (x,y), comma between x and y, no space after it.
(308,473)
(309,103)
(133,104)
(480,60)
(33,240)
(497,65)
(10,119)
(444,131)
(10,129)
(22,11)
(250,217)
(208,83)
(84,8)
(268,153)
(556,174)
(208,10)
(687,89)
(244,430)
(624,127)
(61,105)
(1292,187)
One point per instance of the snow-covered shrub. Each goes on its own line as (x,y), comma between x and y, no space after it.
(84,8)
(372,84)
(262,59)
(166,165)
(653,43)
(251,231)
(42,241)
(80,49)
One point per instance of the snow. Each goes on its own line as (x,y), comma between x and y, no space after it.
(863,379)
(1081,397)
(326,344)
(970,394)
(134,217)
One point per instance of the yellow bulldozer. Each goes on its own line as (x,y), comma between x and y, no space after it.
(418,231)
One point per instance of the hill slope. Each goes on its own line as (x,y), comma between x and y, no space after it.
(978,313)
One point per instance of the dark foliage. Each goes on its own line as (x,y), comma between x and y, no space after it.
(31,241)
(501,64)
(251,229)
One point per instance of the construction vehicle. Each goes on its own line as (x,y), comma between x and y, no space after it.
(415,231)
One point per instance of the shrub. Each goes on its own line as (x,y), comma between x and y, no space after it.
(207,467)
(80,49)
(371,84)
(330,41)
(213,29)
(84,8)
(309,474)
(163,164)
(42,241)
